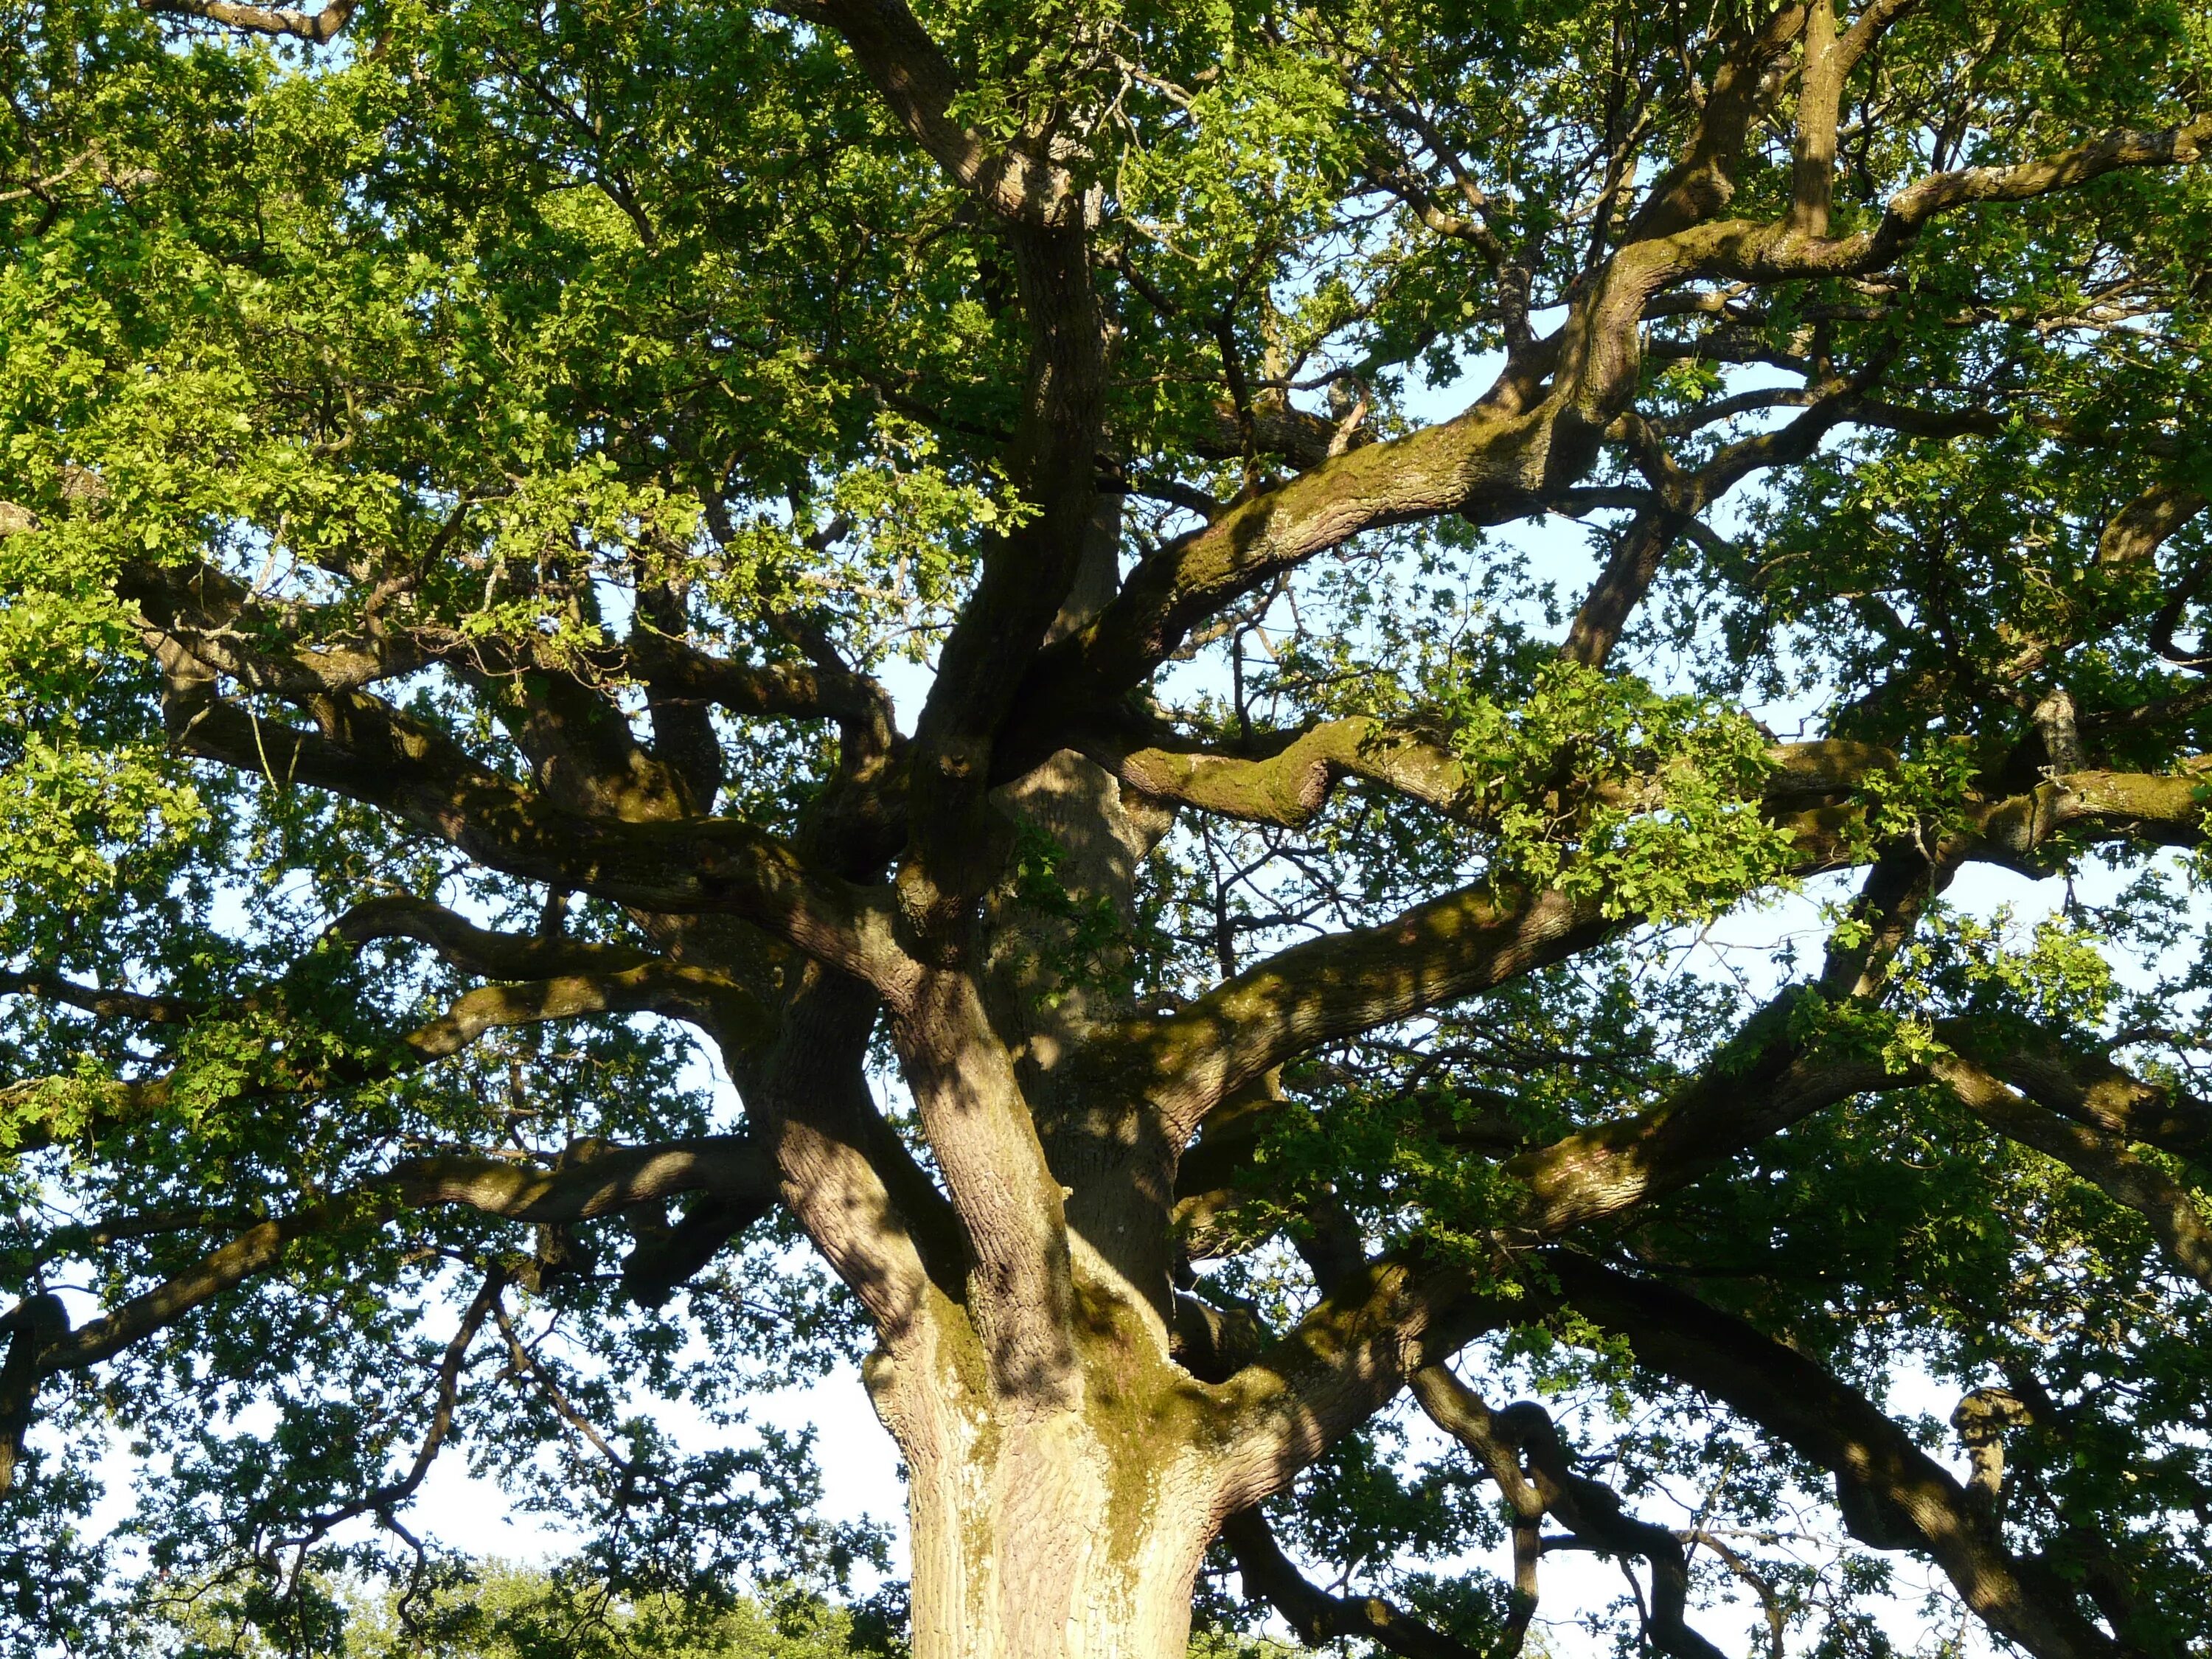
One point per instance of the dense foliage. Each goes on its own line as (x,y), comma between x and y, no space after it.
(1090,696)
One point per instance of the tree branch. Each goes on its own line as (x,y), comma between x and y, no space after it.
(918,84)
(2162,1201)
(1589,1509)
(383,1498)
(1318,1616)
(1351,1353)
(1891,1494)
(1187,1062)
(597,1182)
(688,866)
(316,27)
(2089,1089)
(462,944)
(1761,1084)
(107,1004)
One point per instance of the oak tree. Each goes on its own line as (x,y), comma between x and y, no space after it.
(968,567)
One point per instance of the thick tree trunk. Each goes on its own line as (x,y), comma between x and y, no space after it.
(1048,1534)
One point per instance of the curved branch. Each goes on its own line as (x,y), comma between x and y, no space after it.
(591,1180)
(107,1004)
(919,85)
(685,867)
(1891,1494)
(2089,1089)
(1759,1084)
(632,846)
(2172,1216)
(1781,251)
(1483,455)
(1187,1062)
(655,987)
(316,28)
(461,943)
(383,1498)
(1288,781)
(597,1183)
(1343,1362)
(823,689)
(1589,1509)
(1318,1616)
(1495,459)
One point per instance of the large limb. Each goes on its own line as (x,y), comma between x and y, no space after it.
(1483,456)
(1780,252)
(1378,1323)
(2164,1204)
(1496,457)
(876,1216)
(1759,1084)
(316,28)
(822,689)
(1287,778)
(1701,182)
(919,85)
(1187,1062)
(1020,1292)
(841,1167)
(363,748)
(2088,1088)
(597,1182)
(1354,1350)
(202,626)
(1679,498)
(483,951)
(368,753)
(575,734)
(103,1001)
(48,1111)
(1891,1494)
(1029,573)
(1289,781)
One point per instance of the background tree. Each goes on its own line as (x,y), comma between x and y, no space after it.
(908,548)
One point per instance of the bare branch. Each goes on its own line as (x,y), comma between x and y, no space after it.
(107,1004)
(473,950)
(384,1497)
(316,28)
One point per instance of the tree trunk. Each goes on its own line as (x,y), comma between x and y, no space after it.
(1048,1534)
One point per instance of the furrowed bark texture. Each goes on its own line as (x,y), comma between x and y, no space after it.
(1048,1529)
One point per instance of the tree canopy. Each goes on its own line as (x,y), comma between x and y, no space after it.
(1078,698)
